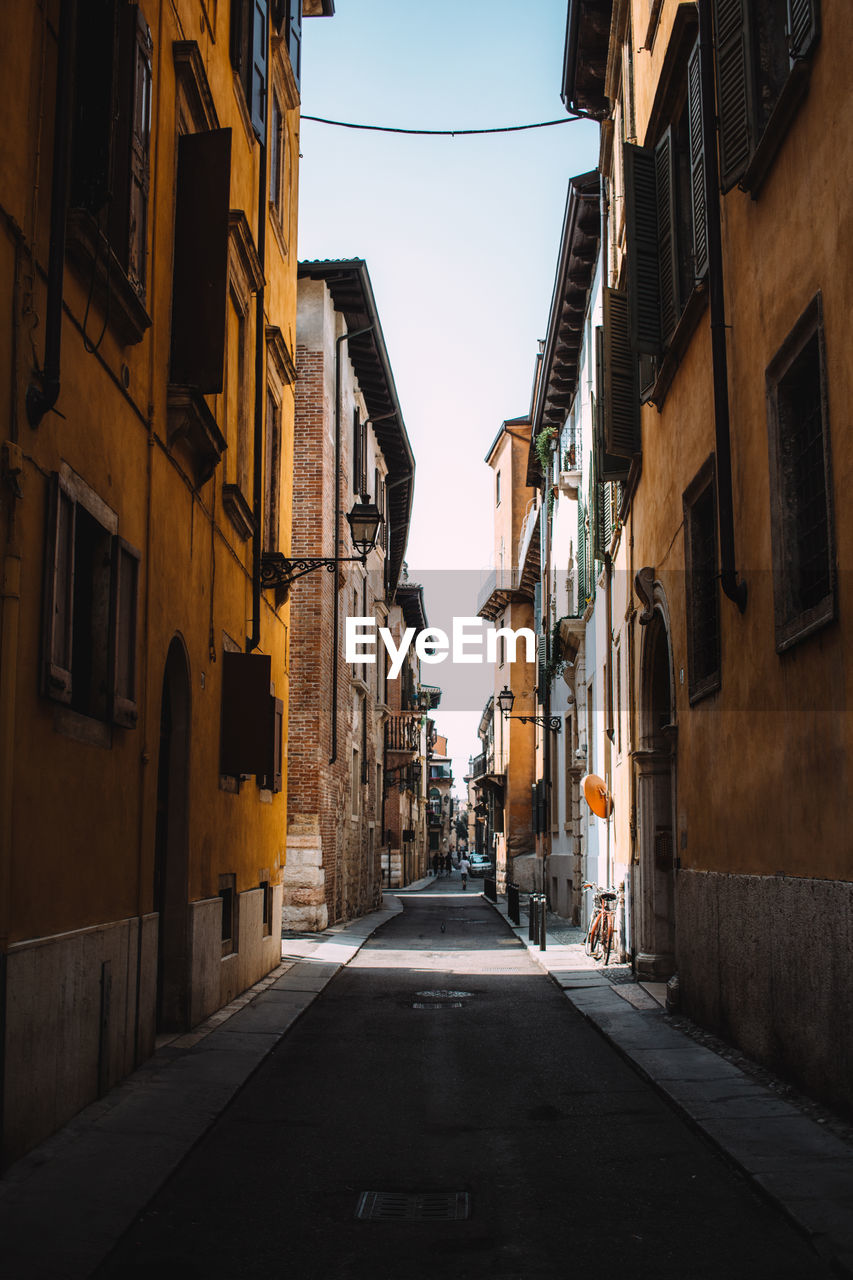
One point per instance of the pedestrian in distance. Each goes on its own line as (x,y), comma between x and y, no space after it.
(436,864)
(448,863)
(464,867)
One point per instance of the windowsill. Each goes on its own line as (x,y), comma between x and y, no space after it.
(710,685)
(278,230)
(238,510)
(794,90)
(192,427)
(678,344)
(88,252)
(86,729)
(791,632)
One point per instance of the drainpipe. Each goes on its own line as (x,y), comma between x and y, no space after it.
(735,590)
(260,388)
(43,394)
(343,337)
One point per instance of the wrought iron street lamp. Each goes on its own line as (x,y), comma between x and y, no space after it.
(506,701)
(364,520)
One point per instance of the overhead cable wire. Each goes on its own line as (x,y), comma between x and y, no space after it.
(448,133)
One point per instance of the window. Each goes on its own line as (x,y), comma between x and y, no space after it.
(617,667)
(358,452)
(804,584)
(569,780)
(112,131)
(249,41)
(666,229)
(703,604)
(762,74)
(228,897)
(245,277)
(90,606)
(251,721)
(355,784)
(266,916)
(498,489)
(278,157)
(272,472)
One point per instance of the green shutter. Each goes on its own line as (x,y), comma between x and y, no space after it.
(258,71)
(641,247)
(803,27)
(542,662)
(621,402)
(609,466)
(580,557)
(668,274)
(697,165)
(734,88)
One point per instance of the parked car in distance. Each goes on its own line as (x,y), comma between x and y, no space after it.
(480,864)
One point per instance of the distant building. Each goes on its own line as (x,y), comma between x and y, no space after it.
(349,426)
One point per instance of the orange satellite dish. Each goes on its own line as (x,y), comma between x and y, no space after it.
(597,796)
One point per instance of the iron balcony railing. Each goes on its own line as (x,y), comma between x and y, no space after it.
(403,733)
(481,764)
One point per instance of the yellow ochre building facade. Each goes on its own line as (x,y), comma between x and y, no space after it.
(148,276)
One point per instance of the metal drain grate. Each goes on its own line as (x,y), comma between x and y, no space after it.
(413,1206)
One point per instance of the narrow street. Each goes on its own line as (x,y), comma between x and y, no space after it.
(442,1060)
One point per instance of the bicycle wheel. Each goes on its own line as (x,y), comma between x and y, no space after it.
(592,945)
(606,938)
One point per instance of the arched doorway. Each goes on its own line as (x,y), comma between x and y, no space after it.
(171,842)
(654,899)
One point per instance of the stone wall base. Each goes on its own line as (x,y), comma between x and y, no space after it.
(764,961)
(304,907)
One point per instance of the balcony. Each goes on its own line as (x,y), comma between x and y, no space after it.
(480,765)
(403,733)
(497,591)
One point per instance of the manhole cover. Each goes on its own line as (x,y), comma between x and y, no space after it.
(413,1206)
(442,995)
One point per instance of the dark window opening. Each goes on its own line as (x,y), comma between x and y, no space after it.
(266,918)
(801,504)
(228,897)
(703,618)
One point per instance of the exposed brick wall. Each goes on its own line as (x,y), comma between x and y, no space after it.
(316,786)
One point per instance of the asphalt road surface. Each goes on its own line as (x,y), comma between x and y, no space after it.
(441,1060)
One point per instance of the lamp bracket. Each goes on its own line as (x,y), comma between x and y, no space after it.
(278,571)
(553,723)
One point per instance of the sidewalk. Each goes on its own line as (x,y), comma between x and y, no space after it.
(787,1156)
(65,1204)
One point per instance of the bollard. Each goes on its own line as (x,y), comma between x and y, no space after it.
(534,902)
(543,928)
(531,909)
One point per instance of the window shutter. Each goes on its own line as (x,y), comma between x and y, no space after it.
(803,27)
(609,466)
(59,593)
(641,241)
(668,272)
(580,557)
(356,452)
(697,165)
(537,607)
(124,593)
(621,405)
(734,88)
(258,71)
(294,39)
(273,781)
(200,279)
(245,742)
(541,662)
(140,134)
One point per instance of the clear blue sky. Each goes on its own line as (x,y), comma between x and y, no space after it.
(460,236)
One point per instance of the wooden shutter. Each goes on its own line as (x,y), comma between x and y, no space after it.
(697,165)
(294,39)
(356,451)
(200,279)
(641,246)
(668,270)
(580,557)
(124,593)
(537,607)
(58,593)
(621,405)
(609,466)
(140,135)
(273,779)
(803,27)
(258,71)
(734,88)
(541,661)
(245,726)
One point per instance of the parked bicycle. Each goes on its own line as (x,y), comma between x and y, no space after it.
(598,942)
